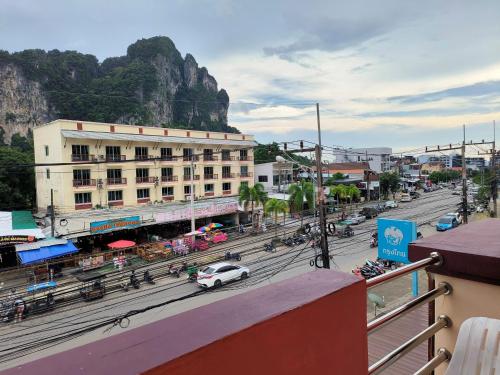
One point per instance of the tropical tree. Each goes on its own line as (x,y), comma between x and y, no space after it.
(300,192)
(276,206)
(352,192)
(389,182)
(339,192)
(252,195)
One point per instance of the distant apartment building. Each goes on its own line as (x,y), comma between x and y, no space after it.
(449,161)
(112,165)
(476,163)
(274,176)
(379,158)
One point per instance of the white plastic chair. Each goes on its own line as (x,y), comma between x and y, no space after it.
(477,350)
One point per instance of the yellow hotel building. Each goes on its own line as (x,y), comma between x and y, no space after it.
(111,165)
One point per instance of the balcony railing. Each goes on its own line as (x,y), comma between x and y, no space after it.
(210,158)
(211,176)
(228,175)
(145,180)
(187,177)
(143,157)
(169,178)
(84,182)
(116,181)
(168,158)
(227,158)
(245,158)
(192,157)
(442,322)
(111,158)
(82,157)
(246,174)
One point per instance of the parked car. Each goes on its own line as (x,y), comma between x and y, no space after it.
(355,219)
(446,223)
(391,204)
(456,215)
(369,212)
(405,197)
(217,274)
(414,194)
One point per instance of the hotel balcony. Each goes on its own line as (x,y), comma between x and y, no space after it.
(146,180)
(169,178)
(210,158)
(245,158)
(211,176)
(187,177)
(113,158)
(91,182)
(116,181)
(227,158)
(228,175)
(246,174)
(83,157)
(316,323)
(167,158)
(189,158)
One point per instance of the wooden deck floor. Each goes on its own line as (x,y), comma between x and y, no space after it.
(395,333)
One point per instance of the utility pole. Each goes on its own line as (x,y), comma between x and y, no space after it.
(494,170)
(322,217)
(191,190)
(367,177)
(52,213)
(464,182)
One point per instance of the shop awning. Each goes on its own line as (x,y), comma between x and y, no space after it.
(44,253)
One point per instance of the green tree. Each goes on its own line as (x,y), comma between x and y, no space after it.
(300,192)
(17,185)
(252,195)
(339,192)
(274,207)
(352,192)
(389,182)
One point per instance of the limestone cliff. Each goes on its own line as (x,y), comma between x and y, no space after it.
(151,85)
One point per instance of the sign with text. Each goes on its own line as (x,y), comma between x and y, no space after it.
(115,224)
(201,210)
(13,239)
(394,237)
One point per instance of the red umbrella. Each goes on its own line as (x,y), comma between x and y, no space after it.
(121,244)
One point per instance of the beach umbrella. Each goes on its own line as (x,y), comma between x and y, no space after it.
(193,233)
(121,244)
(215,225)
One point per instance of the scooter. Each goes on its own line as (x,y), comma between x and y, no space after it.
(269,247)
(373,242)
(232,256)
(148,278)
(134,281)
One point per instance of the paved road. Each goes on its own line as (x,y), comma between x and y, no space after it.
(266,268)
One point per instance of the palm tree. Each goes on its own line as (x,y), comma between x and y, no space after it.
(299,192)
(352,192)
(253,195)
(275,206)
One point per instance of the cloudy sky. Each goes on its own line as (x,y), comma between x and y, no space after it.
(386,73)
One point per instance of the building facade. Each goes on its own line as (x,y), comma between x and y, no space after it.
(378,157)
(111,165)
(274,176)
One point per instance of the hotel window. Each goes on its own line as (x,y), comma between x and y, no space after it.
(167,172)
(243,183)
(226,186)
(209,188)
(113,153)
(82,175)
(167,191)
(142,193)
(141,153)
(262,178)
(115,195)
(187,189)
(187,154)
(82,198)
(166,153)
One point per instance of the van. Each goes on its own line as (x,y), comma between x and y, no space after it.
(369,212)
(405,197)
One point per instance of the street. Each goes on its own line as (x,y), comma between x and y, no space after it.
(31,338)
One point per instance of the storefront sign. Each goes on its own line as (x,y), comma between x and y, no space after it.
(205,210)
(11,240)
(115,224)
(394,237)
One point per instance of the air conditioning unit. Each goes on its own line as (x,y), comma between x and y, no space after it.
(99,183)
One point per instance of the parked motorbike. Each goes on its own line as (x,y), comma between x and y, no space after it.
(124,284)
(134,281)
(176,270)
(232,256)
(373,242)
(269,247)
(148,278)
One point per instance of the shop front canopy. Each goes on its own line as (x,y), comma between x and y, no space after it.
(44,250)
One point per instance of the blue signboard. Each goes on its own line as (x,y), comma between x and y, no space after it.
(394,237)
(115,224)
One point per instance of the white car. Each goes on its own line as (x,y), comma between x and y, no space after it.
(456,215)
(391,204)
(217,274)
(356,218)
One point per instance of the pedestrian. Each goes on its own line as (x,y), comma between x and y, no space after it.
(19,306)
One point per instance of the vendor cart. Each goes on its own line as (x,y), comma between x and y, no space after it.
(40,297)
(92,285)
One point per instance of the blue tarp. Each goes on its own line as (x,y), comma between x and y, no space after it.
(46,252)
(41,286)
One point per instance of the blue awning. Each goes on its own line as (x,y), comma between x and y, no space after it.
(46,252)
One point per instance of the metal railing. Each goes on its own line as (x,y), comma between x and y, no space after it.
(211,176)
(82,157)
(187,177)
(84,182)
(246,174)
(227,158)
(169,178)
(228,175)
(378,367)
(116,181)
(112,157)
(168,158)
(210,158)
(192,157)
(145,180)
(142,157)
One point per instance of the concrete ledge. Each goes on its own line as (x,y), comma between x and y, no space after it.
(313,323)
